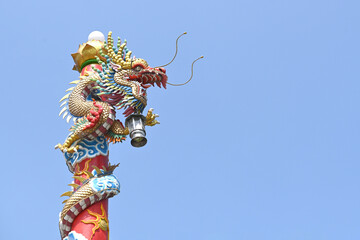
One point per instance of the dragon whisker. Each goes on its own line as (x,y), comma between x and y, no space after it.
(175,51)
(192,73)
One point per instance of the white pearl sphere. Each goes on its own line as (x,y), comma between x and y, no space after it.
(96,35)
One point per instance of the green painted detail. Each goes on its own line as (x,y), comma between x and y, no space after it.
(87,62)
(117,137)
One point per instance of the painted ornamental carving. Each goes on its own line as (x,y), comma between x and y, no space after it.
(110,79)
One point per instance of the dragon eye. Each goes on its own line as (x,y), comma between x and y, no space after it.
(138,67)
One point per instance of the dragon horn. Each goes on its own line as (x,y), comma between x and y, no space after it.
(119,53)
(119,57)
(121,49)
(109,46)
(127,57)
(118,43)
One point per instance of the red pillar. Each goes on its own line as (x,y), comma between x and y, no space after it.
(92,221)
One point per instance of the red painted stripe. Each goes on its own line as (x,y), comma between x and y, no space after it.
(94,134)
(63,222)
(96,198)
(110,121)
(67,223)
(78,207)
(103,129)
(71,214)
(87,90)
(87,202)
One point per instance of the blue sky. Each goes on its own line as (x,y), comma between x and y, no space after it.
(263,144)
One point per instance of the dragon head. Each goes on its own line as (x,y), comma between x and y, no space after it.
(123,80)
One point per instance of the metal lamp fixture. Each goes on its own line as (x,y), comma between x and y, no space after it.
(136,125)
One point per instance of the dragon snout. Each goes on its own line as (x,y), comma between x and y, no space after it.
(159,69)
(163,77)
(163,70)
(154,76)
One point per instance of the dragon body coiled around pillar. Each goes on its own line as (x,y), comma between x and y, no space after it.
(101,184)
(110,80)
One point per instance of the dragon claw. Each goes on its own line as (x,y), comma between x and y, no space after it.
(65,149)
(59,146)
(72,149)
(151,118)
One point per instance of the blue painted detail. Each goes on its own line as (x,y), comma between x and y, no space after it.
(94,172)
(89,97)
(75,236)
(87,149)
(107,183)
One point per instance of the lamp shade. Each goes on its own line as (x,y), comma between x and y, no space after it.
(136,125)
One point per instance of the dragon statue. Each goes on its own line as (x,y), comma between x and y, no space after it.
(110,80)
